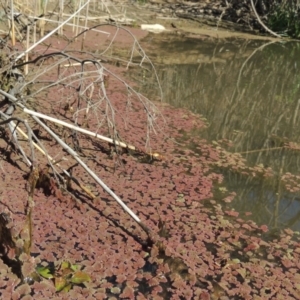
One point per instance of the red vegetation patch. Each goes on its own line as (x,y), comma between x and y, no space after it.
(232,213)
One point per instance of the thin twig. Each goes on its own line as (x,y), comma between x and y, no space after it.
(50,33)
(260,150)
(261,22)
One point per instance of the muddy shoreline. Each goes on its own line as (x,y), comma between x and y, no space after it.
(217,19)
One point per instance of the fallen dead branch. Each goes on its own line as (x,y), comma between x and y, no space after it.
(261,22)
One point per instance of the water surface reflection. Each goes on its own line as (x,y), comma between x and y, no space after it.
(249,91)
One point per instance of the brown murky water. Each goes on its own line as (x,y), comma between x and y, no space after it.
(249,92)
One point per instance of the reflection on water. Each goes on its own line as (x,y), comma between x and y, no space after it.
(249,92)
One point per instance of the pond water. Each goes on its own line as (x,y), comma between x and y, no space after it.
(249,93)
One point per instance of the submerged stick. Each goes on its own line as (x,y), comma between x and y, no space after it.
(28,227)
(260,150)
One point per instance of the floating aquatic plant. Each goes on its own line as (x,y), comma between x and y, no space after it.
(64,276)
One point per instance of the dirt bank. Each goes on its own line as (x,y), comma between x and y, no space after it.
(229,15)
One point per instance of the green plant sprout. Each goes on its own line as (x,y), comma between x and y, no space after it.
(64,276)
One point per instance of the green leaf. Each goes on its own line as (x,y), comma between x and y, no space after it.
(65,265)
(60,283)
(67,288)
(74,267)
(45,272)
(80,277)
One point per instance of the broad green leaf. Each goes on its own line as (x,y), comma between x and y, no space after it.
(45,272)
(60,283)
(80,277)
